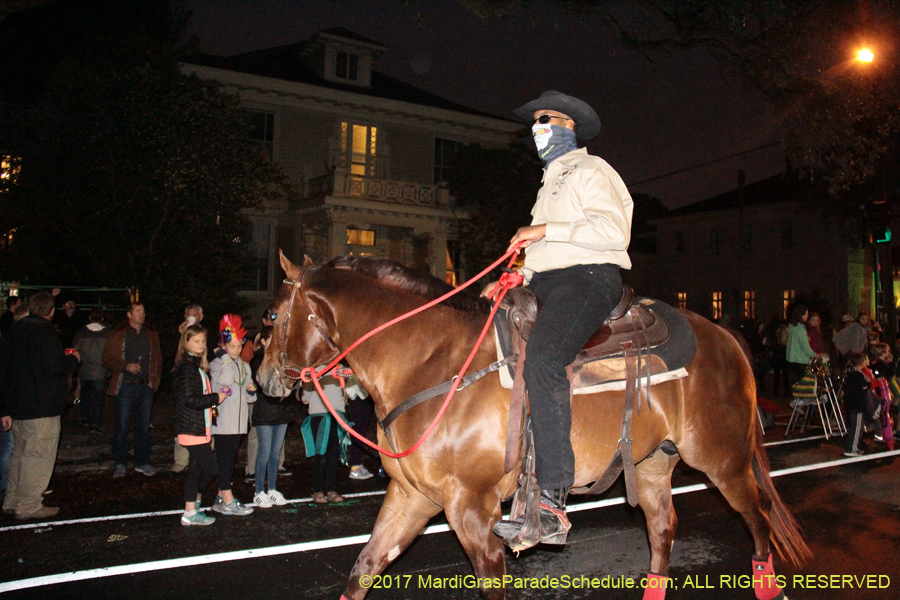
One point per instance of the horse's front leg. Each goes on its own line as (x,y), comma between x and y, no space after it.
(472,515)
(654,485)
(404,513)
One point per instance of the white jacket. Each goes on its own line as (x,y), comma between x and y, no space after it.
(587,210)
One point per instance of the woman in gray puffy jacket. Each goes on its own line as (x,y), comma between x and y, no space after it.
(232,375)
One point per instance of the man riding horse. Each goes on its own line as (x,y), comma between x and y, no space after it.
(576,244)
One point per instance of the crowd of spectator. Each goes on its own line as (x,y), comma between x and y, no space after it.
(784,348)
(52,358)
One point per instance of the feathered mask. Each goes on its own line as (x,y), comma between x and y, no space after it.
(231,328)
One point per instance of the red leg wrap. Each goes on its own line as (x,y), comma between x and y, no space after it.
(764,584)
(656,587)
(343,597)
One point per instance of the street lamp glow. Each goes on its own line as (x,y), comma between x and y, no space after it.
(865,55)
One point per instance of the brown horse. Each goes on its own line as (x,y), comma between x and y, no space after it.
(709,416)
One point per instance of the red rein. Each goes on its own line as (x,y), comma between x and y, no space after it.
(508,280)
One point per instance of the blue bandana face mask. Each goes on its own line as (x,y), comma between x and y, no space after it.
(553,141)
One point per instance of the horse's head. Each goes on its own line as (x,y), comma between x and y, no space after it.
(299,336)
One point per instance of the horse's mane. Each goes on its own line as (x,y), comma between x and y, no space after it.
(392,274)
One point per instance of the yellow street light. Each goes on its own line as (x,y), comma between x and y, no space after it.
(865,55)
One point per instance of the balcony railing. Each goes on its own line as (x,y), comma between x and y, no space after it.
(341,183)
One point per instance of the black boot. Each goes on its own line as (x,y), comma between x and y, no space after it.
(550,527)
(554,522)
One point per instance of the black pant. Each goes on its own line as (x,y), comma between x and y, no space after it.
(796,371)
(226,453)
(780,370)
(574,303)
(360,412)
(201,470)
(93,397)
(855,421)
(325,466)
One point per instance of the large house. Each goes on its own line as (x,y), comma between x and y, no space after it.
(370,155)
(757,250)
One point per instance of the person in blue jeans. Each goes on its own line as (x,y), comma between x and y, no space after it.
(132,353)
(271,417)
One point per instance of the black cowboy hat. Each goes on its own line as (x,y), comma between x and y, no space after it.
(587,121)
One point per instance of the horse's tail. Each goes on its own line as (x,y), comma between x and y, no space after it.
(786,534)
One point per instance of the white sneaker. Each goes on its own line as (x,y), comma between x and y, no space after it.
(263,501)
(277,498)
(360,472)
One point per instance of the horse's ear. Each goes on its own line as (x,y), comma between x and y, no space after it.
(291,270)
(307,261)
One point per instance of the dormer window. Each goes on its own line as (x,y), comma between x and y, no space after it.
(341,56)
(346,65)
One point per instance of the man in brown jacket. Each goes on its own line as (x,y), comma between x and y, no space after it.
(133,355)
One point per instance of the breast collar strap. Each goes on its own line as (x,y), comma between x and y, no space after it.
(291,371)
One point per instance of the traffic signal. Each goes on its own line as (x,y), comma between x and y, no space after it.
(880,234)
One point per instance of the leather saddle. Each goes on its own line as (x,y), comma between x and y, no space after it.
(618,330)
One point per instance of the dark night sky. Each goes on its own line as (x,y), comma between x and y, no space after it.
(667,115)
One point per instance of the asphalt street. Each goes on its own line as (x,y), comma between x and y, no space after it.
(849,511)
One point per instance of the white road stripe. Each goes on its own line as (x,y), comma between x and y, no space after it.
(794,441)
(161,513)
(168,513)
(349,541)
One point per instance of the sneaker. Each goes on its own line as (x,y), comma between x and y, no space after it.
(147,470)
(45,512)
(359,472)
(284,472)
(251,478)
(319,498)
(262,500)
(856,453)
(277,498)
(197,518)
(119,471)
(334,497)
(234,508)
(879,437)
(177,468)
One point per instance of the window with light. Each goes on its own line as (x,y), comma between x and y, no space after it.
(749,304)
(360,237)
(359,144)
(787,301)
(716,305)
